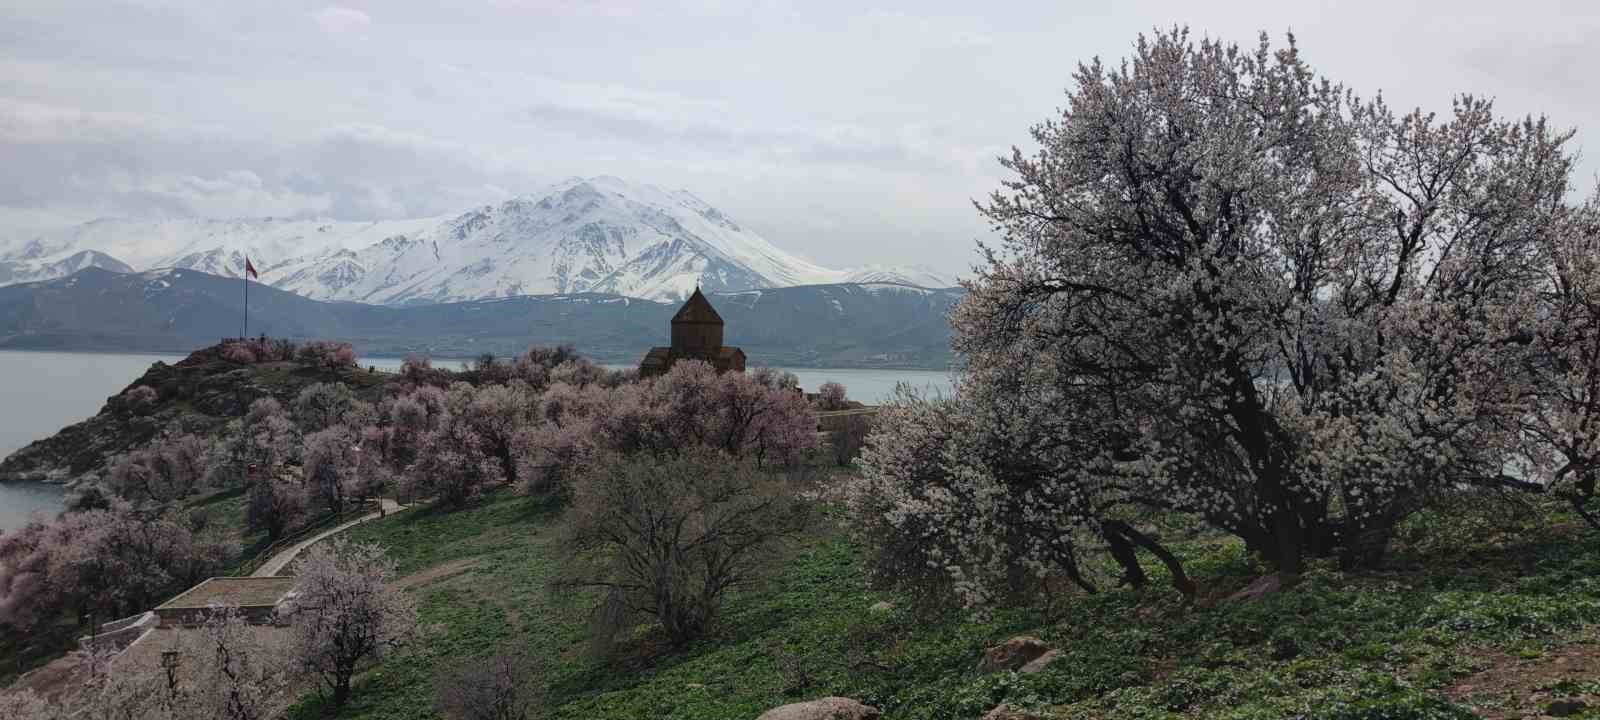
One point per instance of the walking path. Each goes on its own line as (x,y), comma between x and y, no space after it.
(281,560)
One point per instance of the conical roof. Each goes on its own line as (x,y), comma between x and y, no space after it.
(697,309)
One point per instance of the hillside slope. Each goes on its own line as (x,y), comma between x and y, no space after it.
(1470,618)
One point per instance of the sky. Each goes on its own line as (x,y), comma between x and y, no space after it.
(845,133)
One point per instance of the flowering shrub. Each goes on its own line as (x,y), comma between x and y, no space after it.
(328,355)
(169,471)
(258,350)
(100,564)
(345,614)
(830,396)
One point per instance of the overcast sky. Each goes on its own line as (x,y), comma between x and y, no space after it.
(846,134)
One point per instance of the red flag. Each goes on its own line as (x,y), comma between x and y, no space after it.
(250,270)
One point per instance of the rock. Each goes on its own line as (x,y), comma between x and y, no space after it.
(1566,708)
(828,708)
(1006,712)
(1012,654)
(1039,663)
(883,606)
(1262,587)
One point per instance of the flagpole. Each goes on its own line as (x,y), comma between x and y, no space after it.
(244,333)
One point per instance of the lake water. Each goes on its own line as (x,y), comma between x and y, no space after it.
(42,392)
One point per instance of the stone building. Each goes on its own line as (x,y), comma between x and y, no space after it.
(696,335)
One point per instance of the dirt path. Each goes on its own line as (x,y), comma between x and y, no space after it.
(438,572)
(281,560)
(1512,687)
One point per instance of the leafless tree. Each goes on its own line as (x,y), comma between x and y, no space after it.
(501,687)
(676,533)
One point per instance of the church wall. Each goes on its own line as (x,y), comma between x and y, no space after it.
(696,337)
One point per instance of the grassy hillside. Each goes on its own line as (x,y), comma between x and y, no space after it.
(1494,616)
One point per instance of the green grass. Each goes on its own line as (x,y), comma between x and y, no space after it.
(1383,644)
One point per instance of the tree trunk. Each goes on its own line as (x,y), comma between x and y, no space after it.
(1127,537)
(341,694)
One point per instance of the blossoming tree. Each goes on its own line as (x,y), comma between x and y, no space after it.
(1230,289)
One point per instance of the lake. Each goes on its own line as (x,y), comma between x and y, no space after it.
(42,392)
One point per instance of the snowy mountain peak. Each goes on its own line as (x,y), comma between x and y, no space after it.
(597,234)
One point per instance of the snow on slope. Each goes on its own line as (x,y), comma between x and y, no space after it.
(599,234)
(213,246)
(22,269)
(900,275)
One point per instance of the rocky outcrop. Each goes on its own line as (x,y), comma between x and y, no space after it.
(199,395)
(1039,663)
(1006,712)
(1262,587)
(1014,654)
(828,708)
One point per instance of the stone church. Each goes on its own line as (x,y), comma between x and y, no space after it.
(696,335)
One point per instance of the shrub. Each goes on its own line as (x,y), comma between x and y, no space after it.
(418,371)
(169,471)
(327,355)
(99,564)
(451,466)
(337,469)
(830,396)
(847,441)
(239,353)
(494,688)
(273,505)
(258,350)
(140,398)
(264,439)
(323,405)
(673,534)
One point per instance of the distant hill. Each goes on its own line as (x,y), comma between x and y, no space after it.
(848,325)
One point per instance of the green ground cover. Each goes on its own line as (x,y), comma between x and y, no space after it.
(1498,618)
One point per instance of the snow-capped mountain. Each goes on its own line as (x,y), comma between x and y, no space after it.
(22,268)
(598,234)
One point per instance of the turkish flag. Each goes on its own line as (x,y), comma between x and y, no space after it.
(250,270)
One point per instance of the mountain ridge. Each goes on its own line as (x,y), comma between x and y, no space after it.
(600,234)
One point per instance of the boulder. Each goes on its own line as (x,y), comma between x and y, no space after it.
(828,708)
(1039,663)
(1566,708)
(1012,654)
(1006,712)
(882,606)
(1262,587)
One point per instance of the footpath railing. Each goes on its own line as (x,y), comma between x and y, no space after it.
(249,567)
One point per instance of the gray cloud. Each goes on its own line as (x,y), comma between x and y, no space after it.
(846,134)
